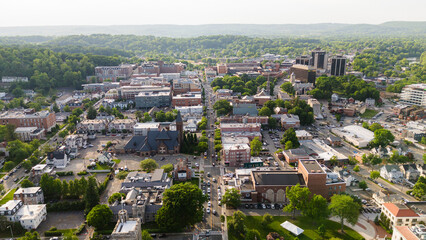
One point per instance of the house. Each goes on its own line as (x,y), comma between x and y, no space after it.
(30,195)
(410,171)
(57,159)
(105,158)
(384,196)
(290,121)
(41,169)
(334,97)
(93,125)
(29,216)
(334,141)
(380,151)
(416,232)
(391,173)
(280,110)
(121,125)
(303,135)
(422,169)
(182,171)
(370,101)
(400,214)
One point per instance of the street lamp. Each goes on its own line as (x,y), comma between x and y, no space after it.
(11,232)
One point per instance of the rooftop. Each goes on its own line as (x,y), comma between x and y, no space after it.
(311,166)
(400,210)
(277,178)
(126,227)
(29,190)
(30,211)
(236,146)
(11,204)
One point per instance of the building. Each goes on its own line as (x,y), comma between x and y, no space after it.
(187,99)
(303,135)
(41,169)
(142,180)
(416,232)
(316,106)
(414,94)
(290,121)
(142,129)
(130,92)
(400,214)
(304,60)
(223,93)
(235,155)
(113,73)
(240,127)
(27,134)
(269,186)
(410,171)
(159,67)
(29,216)
(303,73)
(122,125)
(391,173)
(30,195)
(263,120)
(319,59)
(127,228)
(262,97)
(338,66)
(190,110)
(57,158)
(28,118)
(370,101)
(182,170)
(94,125)
(147,100)
(7,81)
(183,85)
(354,134)
(162,142)
(334,141)
(294,155)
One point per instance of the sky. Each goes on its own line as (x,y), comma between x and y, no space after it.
(195,12)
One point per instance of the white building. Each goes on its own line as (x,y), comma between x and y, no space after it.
(316,106)
(41,169)
(417,232)
(190,110)
(30,195)
(414,94)
(370,101)
(391,173)
(57,159)
(27,134)
(400,215)
(30,216)
(334,97)
(355,134)
(303,135)
(142,129)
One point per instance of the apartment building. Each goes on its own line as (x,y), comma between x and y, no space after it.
(147,100)
(30,195)
(184,85)
(235,155)
(113,73)
(29,216)
(27,134)
(122,125)
(414,94)
(290,121)
(95,125)
(401,215)
(29,118)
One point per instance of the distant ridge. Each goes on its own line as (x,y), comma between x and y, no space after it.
(265,30)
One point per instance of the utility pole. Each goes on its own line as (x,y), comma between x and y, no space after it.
(11,232)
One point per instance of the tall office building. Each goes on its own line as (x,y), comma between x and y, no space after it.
(338,66)
(319,59)
(414,94)
(304,60)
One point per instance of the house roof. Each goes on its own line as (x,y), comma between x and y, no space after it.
(152,141)
(389,168)
(399,210)
(178,117)
(56,154)
(278,178)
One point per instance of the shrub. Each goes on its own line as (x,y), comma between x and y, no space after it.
(122,175)
(80,229)
(52,233)
(84,172)
(65,206)
(61,174)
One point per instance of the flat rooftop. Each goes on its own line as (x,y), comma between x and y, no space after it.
(29,190)
(277,178)
(126,227)
(312,166)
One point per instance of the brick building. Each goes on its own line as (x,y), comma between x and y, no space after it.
(42,119)
(158,67)
(305,74)
(113,73)
(240,127)
(187,99)
(235,155)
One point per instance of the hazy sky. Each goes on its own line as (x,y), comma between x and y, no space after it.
(138,12)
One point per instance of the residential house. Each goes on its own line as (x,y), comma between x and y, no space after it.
(93,125)
(104,158)
(121,125)
(391,173)
(290,121)
(57,158)
(400,215)
(30,195)
(29,216)
(28,134)
(410,171)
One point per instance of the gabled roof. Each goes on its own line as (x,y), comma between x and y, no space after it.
(135,143)
(56,154)
(399,210)
(163,135)
(152,141)
(389,168)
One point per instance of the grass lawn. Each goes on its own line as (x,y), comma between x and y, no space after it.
(117,161)
(2,175)
(332,228)
(8,196)
(369,113)
(102,167)
(194,181)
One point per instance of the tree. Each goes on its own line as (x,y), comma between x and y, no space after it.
(267,219)
(338,117)
(419,189)
(148,165)
(288,88)
(265,111)
(115,197)
(167,168)
(91,113)
(255,146)
(236,223)
(91,196)
(371,159)
(298,199)
(382,137)
(356,168)
(345,208)
(252,234)
(26,183)
(288,145)
(272,123)
(270,104)
(374,174)
(321,231)
(9,165)
(363,185)
(63,133)
(398,159)
(290,135)
(317,208)
(202,146)
(375,126)
(182,206)
(222,107)
(147,117)
(146,235)
(232,198)
(30,236)
(99,217)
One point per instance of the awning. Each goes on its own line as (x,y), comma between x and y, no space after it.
(292,228)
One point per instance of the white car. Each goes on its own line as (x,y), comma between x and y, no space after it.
(208,210)
(208,190)
(209,204)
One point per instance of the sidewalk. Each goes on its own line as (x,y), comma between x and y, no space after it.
(363,227)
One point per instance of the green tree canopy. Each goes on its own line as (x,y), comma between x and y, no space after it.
(222,107)
(255,146)
(99,217)
(149,165)
(298,199)
(232,198)
(345,208)
(290,135)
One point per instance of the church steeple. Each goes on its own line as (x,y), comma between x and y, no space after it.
(179,126)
